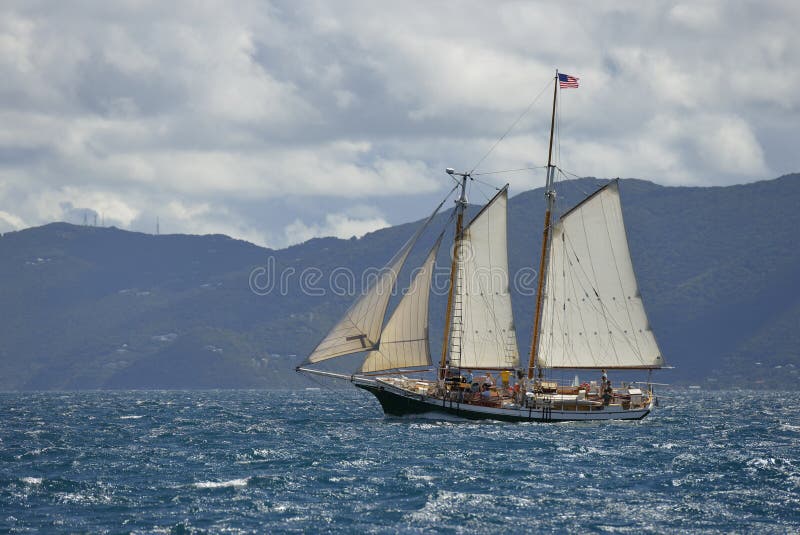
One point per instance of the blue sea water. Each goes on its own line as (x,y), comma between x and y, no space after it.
(311,461)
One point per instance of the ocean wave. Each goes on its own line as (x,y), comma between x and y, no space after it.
(686,469)
(222,484)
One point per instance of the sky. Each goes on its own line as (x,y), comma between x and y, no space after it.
(275,122)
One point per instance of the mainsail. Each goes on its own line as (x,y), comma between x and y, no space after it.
(360,328)
(482,333)
(593,316)
(404,341)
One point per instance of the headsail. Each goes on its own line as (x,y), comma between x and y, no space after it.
(482,332)
(360,328)
(593,316)
(404,341)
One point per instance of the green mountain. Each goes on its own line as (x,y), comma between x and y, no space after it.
(89,307)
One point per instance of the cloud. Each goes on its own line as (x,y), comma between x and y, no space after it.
(696,16)
(267,121)
(339,225)
(10,222)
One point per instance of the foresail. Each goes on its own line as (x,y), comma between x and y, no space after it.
(482,330)
(593,315)
(360,328)
(404,342)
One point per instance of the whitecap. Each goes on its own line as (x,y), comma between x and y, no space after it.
(221,484)
(335,479)
(760,462)
(665,445)
(32,480)
(131,417)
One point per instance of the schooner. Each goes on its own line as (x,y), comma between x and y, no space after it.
(589,314)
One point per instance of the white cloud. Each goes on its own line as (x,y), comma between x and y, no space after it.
(200,114)
(728,145)
(701,16)
(339,225)
(10,222)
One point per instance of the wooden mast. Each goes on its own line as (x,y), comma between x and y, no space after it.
(461,204)
(550,194)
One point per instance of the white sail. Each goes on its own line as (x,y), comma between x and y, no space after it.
(593,316)
(482,327)
(360,328)
(404,341)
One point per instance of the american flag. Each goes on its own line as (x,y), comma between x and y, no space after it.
(565,81)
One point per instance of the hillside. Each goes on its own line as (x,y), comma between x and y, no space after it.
(88,307)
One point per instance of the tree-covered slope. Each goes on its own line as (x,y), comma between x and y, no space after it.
(87,307)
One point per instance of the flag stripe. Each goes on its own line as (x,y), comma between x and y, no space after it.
(566,81)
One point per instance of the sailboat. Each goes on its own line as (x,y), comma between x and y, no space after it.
(589,315)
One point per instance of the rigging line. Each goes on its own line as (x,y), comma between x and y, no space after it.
(509,171)
(585,193)
(567,342)
(482,296)
(579,308)
(322,385)
(603,311)
(510,128)
(565,173)
(452,190)
(454,180)
(589,280)
(619,278)
(483,194)
(558,130)
(487,184)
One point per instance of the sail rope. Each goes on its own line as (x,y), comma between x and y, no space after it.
(584,192)
(489,307)
(513,125)
(611,322)
(507,171)
(594,278)
(619,278)
(486,198)
(558,132)
(482,295)
(583,291)
(322,384)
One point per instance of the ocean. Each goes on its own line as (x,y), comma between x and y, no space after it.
(329,461)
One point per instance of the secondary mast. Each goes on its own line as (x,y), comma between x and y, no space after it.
(550,195)
(461,204)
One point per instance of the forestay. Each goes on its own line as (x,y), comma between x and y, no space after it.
(593,315)
(483,333)
(404,341)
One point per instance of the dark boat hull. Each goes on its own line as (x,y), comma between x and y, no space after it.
(396,402)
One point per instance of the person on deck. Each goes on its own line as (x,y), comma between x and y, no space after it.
(488,380)
(608,392)
(504,377)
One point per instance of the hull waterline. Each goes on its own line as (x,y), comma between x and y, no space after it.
(399,402)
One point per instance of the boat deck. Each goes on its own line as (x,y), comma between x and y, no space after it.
(547,394)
